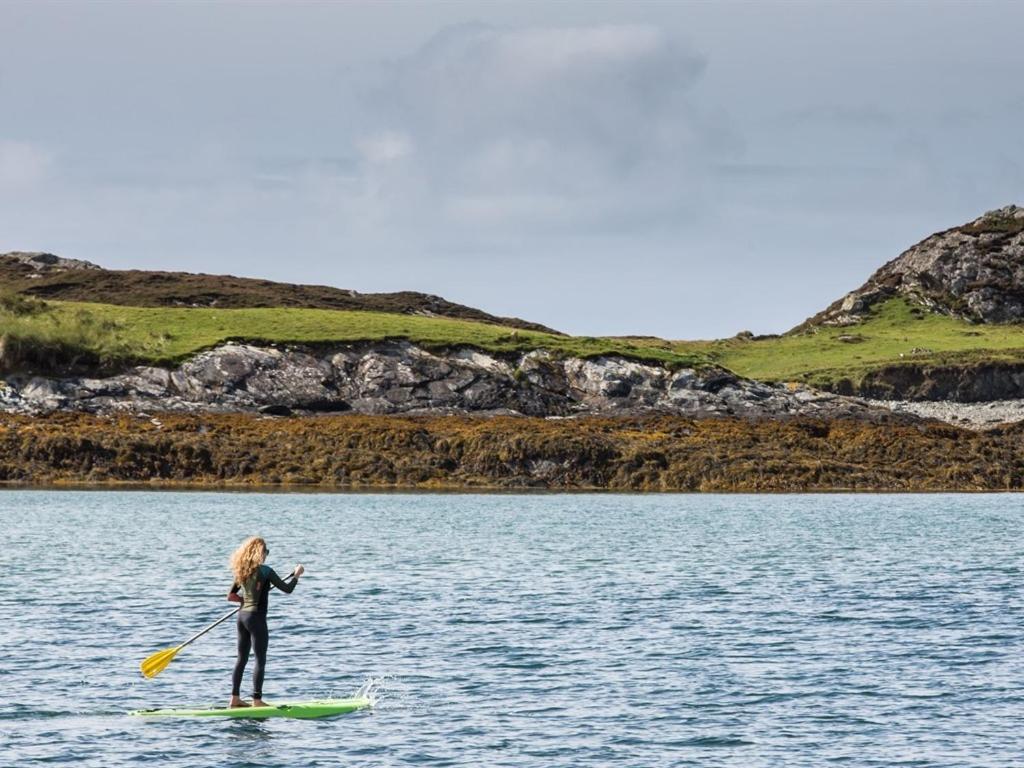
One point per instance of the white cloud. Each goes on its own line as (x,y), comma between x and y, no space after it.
(541,127)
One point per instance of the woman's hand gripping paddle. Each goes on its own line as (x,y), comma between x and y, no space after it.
(153,665)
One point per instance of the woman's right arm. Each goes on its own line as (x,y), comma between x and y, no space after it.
(233,595)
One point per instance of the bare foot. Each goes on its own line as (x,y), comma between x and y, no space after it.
(259,703)
(237,702)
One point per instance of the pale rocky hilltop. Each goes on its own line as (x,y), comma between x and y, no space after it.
(974,272)
(39,262)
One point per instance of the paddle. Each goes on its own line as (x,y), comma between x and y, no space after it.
(153,665)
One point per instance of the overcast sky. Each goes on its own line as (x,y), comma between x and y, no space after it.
(683,170)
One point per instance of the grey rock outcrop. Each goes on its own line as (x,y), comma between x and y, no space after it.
(971,383)
(398,377)
(974,272)
(41,261)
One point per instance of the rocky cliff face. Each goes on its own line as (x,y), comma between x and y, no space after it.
(974,383)
(398,377)
(974,272)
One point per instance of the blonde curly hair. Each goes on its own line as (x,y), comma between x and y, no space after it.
(247,558)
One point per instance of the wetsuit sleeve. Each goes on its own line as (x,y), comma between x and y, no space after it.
(277,581)
(233,593)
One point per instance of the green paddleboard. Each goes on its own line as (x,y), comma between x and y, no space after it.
(301,709)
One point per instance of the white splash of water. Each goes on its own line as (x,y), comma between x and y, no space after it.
(374,689)
(387,691)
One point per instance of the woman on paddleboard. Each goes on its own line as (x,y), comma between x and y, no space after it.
(254,579)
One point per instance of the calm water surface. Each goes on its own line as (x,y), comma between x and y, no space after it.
(547,630)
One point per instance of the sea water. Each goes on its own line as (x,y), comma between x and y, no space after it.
(523,630)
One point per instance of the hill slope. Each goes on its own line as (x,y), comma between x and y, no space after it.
(46,276)
(940,322)
(892,335)
(974,272)
(62,337)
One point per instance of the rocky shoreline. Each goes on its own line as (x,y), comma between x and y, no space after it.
(969,415)
(389,378)
(399,378)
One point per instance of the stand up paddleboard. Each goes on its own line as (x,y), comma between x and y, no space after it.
(305,710)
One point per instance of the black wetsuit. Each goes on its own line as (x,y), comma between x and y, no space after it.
(252,625)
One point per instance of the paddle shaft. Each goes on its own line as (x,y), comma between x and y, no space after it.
(221,620)
(199,634)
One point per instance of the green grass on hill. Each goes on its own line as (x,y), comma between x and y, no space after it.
(55,333)
(895,333)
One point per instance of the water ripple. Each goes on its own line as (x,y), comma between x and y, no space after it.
(537,630)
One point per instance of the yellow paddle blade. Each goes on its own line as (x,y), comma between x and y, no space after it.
(153,665)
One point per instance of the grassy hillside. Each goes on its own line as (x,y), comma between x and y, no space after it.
(52,334)
(45,276)
(895,333)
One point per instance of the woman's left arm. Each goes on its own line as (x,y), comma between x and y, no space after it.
(285,586)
